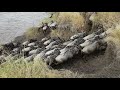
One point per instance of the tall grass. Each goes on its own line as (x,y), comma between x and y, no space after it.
(75,20)
(69,23)
(36,69)
(114,36)
(107,19)
(63,34)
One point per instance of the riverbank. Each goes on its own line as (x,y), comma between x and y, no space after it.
(101,65)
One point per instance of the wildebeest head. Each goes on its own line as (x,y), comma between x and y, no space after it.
(102,45)
(32,40)
(7,48)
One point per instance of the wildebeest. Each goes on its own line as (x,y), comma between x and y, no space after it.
(16,44)
(44,39)
(102,35)
(89,36)
(66,53)
(99,31)
(54,51)
(79,35)
(53,43)
(41,55)
(97,45)
(31,44)
(95,38)
(36,51)
(90,48)
(48,42)
(76,42)
(50,60)
(25,43)
(2,59)
(32,40)
(86,43)
(25,51)
(16,50)
(7,48)
(30,58)
(45,28)
(53,25)
(64,57)
(67,42)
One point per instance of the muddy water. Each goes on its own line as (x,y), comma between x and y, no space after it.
(13,24)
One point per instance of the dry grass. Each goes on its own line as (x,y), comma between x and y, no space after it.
(74,19)
(63,34)
(114,36)
(36,69)
(69,23)
(35,33)
(107,19)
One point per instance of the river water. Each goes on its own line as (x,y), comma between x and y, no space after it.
(13,24)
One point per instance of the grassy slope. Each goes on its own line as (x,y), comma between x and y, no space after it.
(36,69)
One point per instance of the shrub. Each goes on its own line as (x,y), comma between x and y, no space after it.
(36,33)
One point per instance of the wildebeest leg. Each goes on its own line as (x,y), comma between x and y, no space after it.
(49,64)
(85,58)
(50,67)
(44,31)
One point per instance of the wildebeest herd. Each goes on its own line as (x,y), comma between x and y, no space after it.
(47,26)
(54,51)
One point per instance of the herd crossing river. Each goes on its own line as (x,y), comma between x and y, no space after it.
(13,24)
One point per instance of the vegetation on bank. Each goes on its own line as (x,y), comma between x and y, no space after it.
(34,33)
(37,69)
(107,19)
